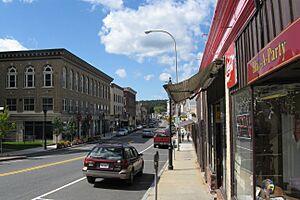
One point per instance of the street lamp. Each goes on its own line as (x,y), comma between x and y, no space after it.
(44,128)
(170,167)
(166,32)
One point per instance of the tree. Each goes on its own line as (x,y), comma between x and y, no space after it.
(5,125)
(71,127)
(57,127)
(86,125)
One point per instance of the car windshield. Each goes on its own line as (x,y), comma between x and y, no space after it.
(109,153)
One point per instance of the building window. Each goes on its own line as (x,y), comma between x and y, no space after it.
(76,81)
(12,77)
(64,77)
(87,85)
(48,76)
(71,80)
(81,83)
(48,103)
(71,105)
(77,106)
(29,77)
(29,104)
(91,87)
(11,104)
(64,104)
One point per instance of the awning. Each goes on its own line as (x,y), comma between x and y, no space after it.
(185,89)
(185,123)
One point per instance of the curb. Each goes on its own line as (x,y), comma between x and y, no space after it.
(12,158)
(148,192)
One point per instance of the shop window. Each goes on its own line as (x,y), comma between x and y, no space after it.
(243,145)
(277,136)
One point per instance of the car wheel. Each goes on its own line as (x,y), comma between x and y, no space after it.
(130,178)
(91,179)
(141,171)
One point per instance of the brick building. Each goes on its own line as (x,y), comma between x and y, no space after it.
(58,81)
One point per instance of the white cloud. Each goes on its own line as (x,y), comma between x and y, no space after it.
(149,77)
(7,1)
(164,76)
(123,30)
(7,44)
(110,4)
(121,72)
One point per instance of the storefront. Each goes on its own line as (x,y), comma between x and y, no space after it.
(266,116)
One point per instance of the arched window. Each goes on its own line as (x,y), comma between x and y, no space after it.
(71,80)
(81,83)
(76,81)
(64,77)
(29,77)
(87,85)
(12,77)
(48,76)
(91,87)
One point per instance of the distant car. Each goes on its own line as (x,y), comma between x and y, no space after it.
(139,127)
(147,133)
(122,132)
(113,161)
(161,138)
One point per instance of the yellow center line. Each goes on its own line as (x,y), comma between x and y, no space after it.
(41,166)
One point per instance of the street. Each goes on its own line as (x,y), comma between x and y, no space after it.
(58,175)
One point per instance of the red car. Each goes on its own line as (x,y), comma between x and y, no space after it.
(161,138)
(113,161)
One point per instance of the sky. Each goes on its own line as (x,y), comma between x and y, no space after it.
(109,34)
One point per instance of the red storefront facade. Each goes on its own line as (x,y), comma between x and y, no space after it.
(248,134)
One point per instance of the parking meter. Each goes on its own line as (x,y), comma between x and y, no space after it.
(156,160)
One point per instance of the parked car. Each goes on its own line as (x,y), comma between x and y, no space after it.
(161,138)
(147,133)
(122,132)
(113,161)
(139,127)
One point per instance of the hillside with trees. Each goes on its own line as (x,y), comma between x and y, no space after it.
(156,106)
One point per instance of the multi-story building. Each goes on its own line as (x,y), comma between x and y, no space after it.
(142,115)
(58,82)
(130,106)
(116,105)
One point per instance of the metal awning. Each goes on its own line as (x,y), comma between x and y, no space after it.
(185,89)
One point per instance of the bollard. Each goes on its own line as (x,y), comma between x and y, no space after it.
(156,161)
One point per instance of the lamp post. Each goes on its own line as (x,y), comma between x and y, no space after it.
(166,32)
(44,129)
(170,167)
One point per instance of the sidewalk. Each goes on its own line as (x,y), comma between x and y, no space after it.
(22,154)
(184,182)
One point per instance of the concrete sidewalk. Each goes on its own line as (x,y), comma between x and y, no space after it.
(22,154)
(184,181)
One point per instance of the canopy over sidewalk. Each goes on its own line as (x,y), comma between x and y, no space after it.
(187,88)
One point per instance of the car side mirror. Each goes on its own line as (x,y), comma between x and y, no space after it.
(140,154)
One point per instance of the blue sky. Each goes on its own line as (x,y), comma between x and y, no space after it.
(109,34)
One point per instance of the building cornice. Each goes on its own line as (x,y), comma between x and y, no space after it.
(51,54)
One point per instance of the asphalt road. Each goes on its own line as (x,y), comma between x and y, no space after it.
(58,175)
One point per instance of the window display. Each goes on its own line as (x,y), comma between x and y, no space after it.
(277,145)
(242,137)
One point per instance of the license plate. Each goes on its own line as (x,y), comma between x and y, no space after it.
(104,166)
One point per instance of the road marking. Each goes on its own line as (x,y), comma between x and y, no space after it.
(146,148)
(60,188)
(41,166)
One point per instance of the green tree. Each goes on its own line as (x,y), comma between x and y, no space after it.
(71,127)
(5,125)
(86,125)
(57,127)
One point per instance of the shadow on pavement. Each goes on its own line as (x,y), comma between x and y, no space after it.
(58,152)
(140,183)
